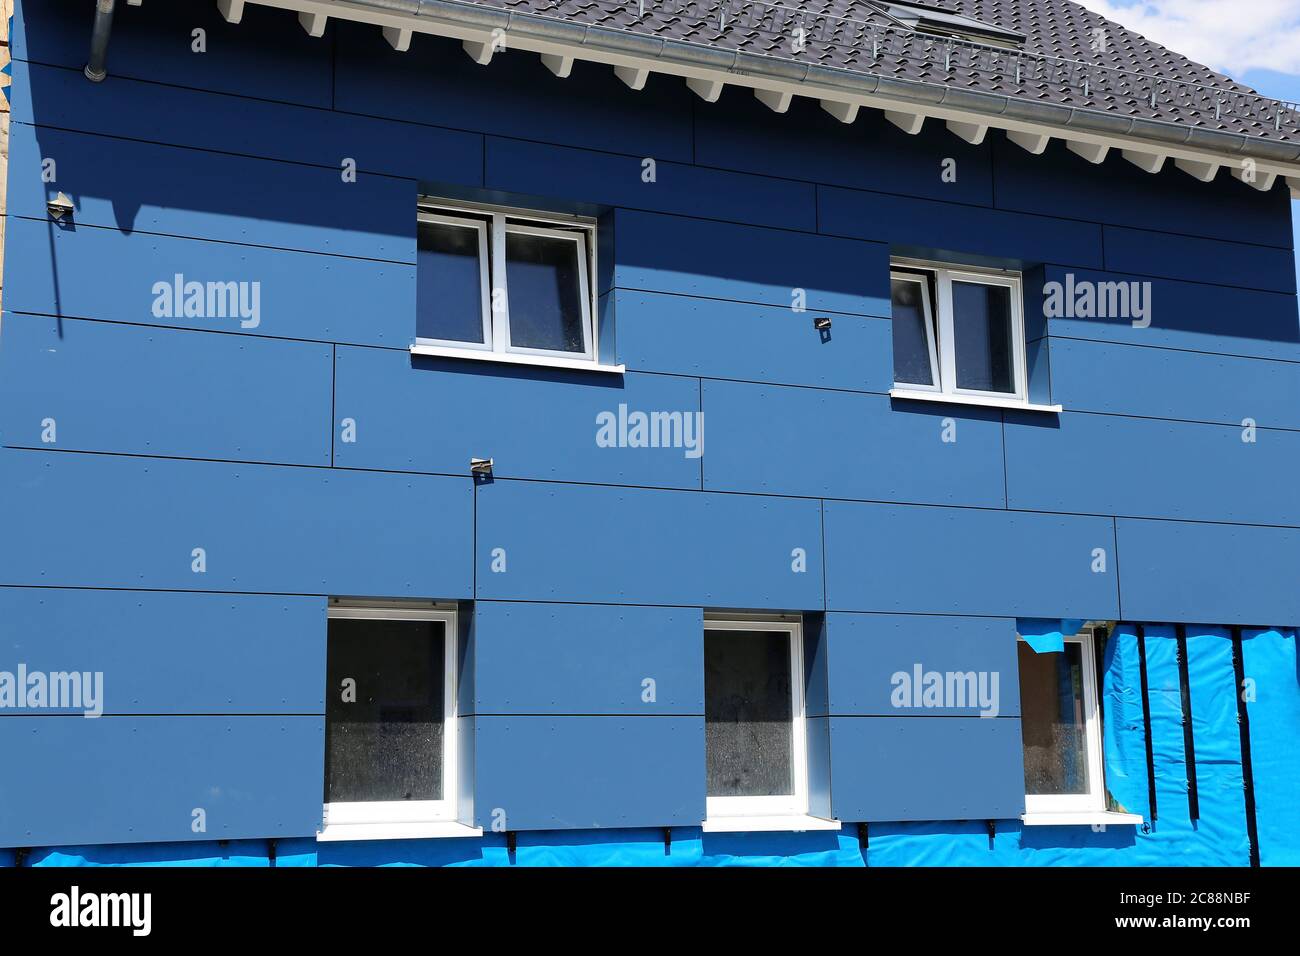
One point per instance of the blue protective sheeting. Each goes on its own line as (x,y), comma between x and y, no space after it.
(254,853)
(1124,729)
(644,847)
(816,848)
(1272,690)
(6,858)
(488,850)
(1046,635)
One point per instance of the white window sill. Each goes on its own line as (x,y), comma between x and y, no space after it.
(944,398)
(514,358)
(1081,818)
(795,823)
(396,831)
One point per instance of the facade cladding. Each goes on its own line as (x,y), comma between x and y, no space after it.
(998,617)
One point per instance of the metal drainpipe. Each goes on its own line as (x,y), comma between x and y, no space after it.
(95,68)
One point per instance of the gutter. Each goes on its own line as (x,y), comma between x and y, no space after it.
(824,79)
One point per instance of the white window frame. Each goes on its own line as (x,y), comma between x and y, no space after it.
(494,223)
(354,818)
(1094,801)
(783,805)
(940,325)
(921,279)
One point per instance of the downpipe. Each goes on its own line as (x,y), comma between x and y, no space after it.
(96,68)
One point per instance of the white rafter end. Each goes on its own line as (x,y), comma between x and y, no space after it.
(1253,177)
(909,123)
(1035,143)
(776,101)
(1205,172)
(1094,153)
(1147,162)
(1294,183)
(398,38)
(561,66)
(232,11)
(707,90)
(844,112)
(479,51)
(313,23)
(972,133)
(632,77)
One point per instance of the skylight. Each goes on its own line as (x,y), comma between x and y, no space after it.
(938,22)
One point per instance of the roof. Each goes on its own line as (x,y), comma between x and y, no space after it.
(1063,60)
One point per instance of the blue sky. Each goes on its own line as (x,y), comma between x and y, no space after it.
(1254,41)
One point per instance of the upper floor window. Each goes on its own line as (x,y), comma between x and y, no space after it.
(754,719)
(505,282)
(958,332)
(390,728)
(1061,727)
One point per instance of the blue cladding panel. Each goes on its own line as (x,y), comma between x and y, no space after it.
(1269,663)
(1200,260)
(647,547)
(967,561)
(419,414)
(1164,383)
(927,768)
(157,651)
(538,169)
(1186,315)
(266,55)
(562,773)
(186,192)
(945,230)
(587,659)
(1113,464)
(59,97)
(105,274)
(142,391)
(808,143)
(435,82)
(138,779)
(760,439)
(1059,183)
(867,650)
(756,343)
(1236,574)
(721,260)
(96,521)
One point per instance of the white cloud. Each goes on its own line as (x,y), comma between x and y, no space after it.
(1231,36)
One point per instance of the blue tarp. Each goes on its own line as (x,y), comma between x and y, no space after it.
(1046,635)
(208,853)
(1273,706)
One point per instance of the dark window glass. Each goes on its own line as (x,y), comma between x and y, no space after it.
(748,713)
(911,346)
(1052,720)
(387,744)
(545,294)
(449,283)
(981,324)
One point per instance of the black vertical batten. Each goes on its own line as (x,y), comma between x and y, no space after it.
(1243,729)
(1146,719)
(1189,742)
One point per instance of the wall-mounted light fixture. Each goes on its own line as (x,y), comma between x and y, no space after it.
(480,466)
(59,206)
(822,323)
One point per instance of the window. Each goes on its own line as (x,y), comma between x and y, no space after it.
(505,283)
(1061,727)
(933,20)
(958,333)
(754,719)
(390,727)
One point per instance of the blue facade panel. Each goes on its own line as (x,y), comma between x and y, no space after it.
(433,415)
(561,773)
(1110,464)
(1200,260)
(157,651)
(94,386)
(131,278)
(588,659)
(818,442)
(142,779)
(879,663)
(927,768)
(1234,574)
(968,561)
(744,551)
(97,521)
